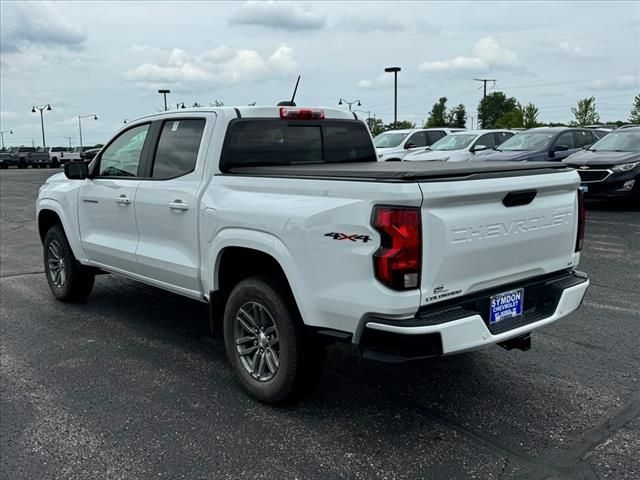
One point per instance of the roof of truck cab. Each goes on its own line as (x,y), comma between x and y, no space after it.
(247,112)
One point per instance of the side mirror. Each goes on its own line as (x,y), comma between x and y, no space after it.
(479,148)
(410,145)
(76,170)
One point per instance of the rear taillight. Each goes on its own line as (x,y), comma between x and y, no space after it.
(397,262)
(582,217)
(293,113)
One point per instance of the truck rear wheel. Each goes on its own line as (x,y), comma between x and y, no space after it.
(68,280)
(274,359)
(22,163)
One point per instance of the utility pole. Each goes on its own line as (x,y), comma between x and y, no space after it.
(2,136)
(164,92)
(46,107)
(355,102)
(80,117)
(395,71)
(484,95)
(69,139)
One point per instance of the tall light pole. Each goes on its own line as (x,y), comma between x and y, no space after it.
(395,71)
(80,117)
(2,136)
(69,139)
(355,102)
(46,107)
(164,94)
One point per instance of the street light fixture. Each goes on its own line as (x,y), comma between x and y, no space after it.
(46,107)
(164,94)
(80,117)
(395,71)
(10,132)
(355,102)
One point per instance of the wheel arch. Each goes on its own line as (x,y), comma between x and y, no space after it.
(239,253)
(50,213)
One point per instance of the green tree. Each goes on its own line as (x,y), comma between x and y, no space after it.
(494,106)
(530,116)
(457,117)
(585,112)
(375,126)
(438,115)
(402,124)
(635,111)
(512,119)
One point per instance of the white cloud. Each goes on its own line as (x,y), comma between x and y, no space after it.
(278,15)
(569,50)
(27,24)
(625,82)
(8,115)
(370,23)
(486,54)
(380,81)
(283,59)
(221,65)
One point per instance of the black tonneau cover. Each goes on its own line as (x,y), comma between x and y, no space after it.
(403,171)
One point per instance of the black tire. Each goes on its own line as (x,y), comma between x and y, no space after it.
(301,357)
(22,163)
(76,280)
(3,167)
(55,163)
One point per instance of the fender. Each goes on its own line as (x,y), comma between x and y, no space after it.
(263,242)
(69,225)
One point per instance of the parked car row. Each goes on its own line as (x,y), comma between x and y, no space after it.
(608,161)
(24,157)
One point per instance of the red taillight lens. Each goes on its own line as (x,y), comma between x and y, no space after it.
(397,262)
(292,113)
(582,218)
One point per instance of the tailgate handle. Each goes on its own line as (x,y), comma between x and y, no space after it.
(515,199)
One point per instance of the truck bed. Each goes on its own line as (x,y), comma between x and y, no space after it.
(403,171)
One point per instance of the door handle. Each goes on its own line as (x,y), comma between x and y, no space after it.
(123,200)
(178,205)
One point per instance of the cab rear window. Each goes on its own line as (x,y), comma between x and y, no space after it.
(263,142)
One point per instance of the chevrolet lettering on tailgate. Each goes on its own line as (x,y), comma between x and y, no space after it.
(493,230)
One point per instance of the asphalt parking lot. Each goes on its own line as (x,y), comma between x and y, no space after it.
(130,385)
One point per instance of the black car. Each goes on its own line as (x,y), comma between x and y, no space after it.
(611,166)
(541,144)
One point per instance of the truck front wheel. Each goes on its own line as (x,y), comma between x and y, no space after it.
(273,357)
(68,279)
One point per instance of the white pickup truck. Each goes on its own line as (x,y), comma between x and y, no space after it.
(284,222)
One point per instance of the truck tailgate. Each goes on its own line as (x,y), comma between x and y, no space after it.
(484,233)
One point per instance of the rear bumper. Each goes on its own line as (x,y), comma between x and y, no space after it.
(462,324)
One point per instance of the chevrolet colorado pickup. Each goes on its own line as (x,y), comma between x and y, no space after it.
(282,220)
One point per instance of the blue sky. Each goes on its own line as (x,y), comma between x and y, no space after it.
(110,58)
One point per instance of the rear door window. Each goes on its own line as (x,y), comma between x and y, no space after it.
(434,135)
(487,140)
(501,137)
(178,147)
(565,139)
(418,139)
(583,138)
(262,142)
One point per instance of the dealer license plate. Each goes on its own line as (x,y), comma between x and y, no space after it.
(506,305)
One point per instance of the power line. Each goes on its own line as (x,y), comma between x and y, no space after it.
(484,94)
